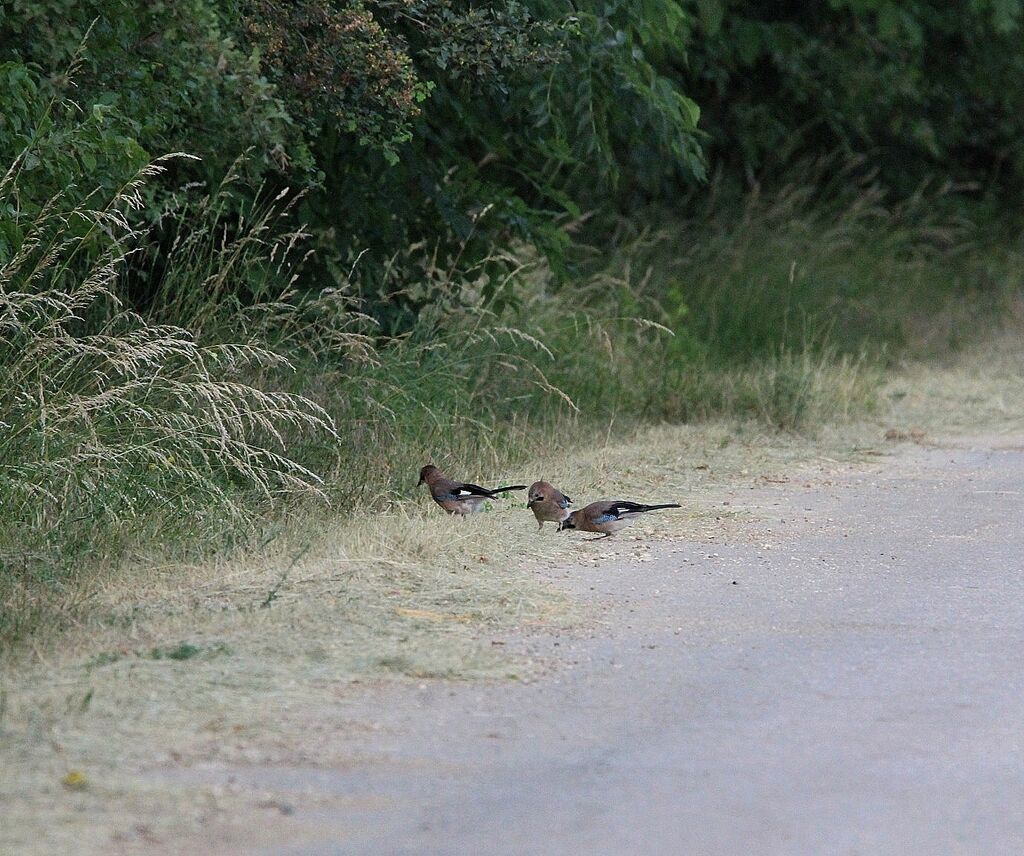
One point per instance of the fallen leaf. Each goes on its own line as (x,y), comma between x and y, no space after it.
(75,780)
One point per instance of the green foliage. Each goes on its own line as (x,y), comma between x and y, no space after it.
(467,126)
(416,115)
(338,65)
(467,179)
(617,104)
(49,143)
(816,266)
(917,87)
(170,73)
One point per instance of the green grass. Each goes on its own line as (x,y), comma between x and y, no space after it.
(215,423)
(780,310)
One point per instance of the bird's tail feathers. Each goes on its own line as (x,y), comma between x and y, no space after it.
(498,490)
(663,505)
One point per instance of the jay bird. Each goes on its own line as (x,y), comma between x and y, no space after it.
(608,516)
(547,503)
(458,497)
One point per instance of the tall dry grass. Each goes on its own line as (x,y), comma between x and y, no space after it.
(117,431)
(245,392)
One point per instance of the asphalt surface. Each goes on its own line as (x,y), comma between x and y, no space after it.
(846,678)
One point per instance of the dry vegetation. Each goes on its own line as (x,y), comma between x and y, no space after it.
(980,392)
(211,530)
(242,661)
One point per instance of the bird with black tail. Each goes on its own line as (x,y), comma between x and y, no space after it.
(609,516)
(457,497)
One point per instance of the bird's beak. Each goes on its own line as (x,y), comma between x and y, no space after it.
(419,482)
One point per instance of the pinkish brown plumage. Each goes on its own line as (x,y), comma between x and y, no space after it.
(608,516)
(547,503)
(459,497)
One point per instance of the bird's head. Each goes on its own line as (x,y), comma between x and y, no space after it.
(539,491)
(426,473)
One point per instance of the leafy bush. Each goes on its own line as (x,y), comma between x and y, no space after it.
(916,87)
(470,126)
(339,66)
(172,75)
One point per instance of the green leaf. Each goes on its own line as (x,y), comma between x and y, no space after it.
(692,109)
(711,14)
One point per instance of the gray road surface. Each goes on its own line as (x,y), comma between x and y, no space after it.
(858,690)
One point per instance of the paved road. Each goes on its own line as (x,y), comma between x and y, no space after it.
(858,690)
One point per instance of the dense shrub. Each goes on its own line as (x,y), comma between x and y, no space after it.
(467,125)
(919,88)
